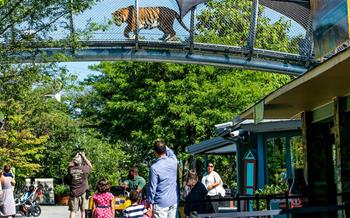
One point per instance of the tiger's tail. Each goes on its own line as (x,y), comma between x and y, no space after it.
(178,18)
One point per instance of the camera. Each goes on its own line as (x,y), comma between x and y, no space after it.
(236,133)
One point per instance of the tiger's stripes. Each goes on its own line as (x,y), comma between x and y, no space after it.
(149,18)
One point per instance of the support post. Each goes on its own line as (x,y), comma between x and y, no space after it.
(342,146)
(193,10)
(253,26)
(239,170)
(206,161)
(137,24)
(319,168)
(193,162)
(13,31)
(261,161)
(289,166)
(72,27)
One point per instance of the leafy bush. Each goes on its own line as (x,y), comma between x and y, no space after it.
(271,190)
(61,190)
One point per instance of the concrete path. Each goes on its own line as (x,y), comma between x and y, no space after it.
(54,212)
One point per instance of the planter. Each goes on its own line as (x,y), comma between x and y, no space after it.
(62,199)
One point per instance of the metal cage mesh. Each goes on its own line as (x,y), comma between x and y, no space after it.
(217,22)
(281,26)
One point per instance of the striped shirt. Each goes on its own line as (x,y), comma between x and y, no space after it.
(135,211)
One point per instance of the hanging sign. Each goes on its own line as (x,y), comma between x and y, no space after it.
(259,112)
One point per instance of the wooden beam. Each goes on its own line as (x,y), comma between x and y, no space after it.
(323,113)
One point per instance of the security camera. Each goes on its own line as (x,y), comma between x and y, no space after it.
(236,133)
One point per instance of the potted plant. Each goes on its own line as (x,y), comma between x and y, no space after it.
(61,194)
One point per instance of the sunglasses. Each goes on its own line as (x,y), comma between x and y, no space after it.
(210,166)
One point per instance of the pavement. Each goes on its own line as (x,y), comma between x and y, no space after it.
(55,212)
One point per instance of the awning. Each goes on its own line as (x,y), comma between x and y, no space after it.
(310,91)
(278,125)
(217,145)
(298,10)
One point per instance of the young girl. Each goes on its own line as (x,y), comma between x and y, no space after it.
(103,206)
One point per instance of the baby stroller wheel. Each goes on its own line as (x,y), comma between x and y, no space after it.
(35,211)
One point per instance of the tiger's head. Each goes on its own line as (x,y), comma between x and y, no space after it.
(121,15)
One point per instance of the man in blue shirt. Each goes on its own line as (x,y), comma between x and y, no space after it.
(162,190)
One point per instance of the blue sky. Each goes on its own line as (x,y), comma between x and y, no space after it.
(80,69)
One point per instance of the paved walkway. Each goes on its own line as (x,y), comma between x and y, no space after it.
(54,212)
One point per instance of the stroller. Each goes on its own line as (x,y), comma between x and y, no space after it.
(27,204)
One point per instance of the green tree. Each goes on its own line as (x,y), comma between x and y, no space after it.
(109,159)
(228,22)
(22,101)
(139,102)
(40,135)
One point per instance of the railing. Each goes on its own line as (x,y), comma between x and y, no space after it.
(283,208)
(268,213)
(263,29)
(248,25)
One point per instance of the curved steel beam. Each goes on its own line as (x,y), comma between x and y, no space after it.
(157,55)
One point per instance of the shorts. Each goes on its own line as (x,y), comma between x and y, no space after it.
(159,212)
(77,203)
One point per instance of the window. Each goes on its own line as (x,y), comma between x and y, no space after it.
(297,152)
(276,159)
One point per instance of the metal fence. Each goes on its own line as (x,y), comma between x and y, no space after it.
(275,206)
(268,29)
(241,23)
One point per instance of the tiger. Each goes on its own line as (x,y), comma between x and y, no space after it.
(149,18)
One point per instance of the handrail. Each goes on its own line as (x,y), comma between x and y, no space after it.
(345,205)
(272,212)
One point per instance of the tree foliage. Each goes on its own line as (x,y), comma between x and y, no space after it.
(228,22)
(140,102)
(129,105)
(22,101)
(40,135)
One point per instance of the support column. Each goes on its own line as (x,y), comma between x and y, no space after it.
(239,169)
(253,25)
(73,35)
(137,10)
(261,161)
(289,166)
(192,26)
(319,168)
(342,145)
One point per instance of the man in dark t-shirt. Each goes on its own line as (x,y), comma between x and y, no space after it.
(79,169)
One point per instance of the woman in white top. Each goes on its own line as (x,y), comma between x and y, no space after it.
(212,181)
(7,201)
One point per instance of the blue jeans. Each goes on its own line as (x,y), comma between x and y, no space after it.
(165,212)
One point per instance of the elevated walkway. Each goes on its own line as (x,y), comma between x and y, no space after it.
(265,35)
(207,54)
